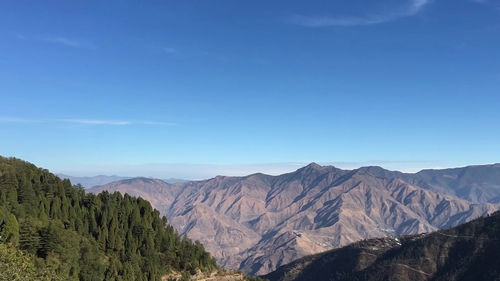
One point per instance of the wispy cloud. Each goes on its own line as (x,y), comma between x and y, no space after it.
(82,121)
(60,40)
(411,8)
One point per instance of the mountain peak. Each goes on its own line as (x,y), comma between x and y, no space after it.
(310,168)
(314,165)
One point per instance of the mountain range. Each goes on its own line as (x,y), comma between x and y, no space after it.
(260,222)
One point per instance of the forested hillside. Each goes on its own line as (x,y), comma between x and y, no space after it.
(78,236)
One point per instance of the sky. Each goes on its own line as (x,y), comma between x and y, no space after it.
(192,89)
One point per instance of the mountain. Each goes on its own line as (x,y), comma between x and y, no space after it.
(259,222)
(174,180)
(50,228)
(468,252)
(474,183)
(159,193)
(88,182)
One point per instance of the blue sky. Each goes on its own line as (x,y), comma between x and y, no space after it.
(197,88)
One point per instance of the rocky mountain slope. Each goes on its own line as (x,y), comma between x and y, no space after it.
(259,222)
(467,252)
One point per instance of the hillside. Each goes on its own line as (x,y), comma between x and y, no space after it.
(468,252)
(259,222)
(81,236)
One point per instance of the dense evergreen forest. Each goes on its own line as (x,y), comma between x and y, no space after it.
(58,232)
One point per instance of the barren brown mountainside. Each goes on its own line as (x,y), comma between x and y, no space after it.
(468,252)
(259,222)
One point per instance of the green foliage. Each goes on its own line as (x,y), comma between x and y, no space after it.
(89,237)
(15,265)
(10,230)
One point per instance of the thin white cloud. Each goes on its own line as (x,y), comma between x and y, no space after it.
(64,41)
(410,9)
(86,121)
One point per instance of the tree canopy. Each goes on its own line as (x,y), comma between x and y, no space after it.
(82,236)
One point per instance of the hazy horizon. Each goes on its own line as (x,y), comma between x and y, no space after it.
(205,171)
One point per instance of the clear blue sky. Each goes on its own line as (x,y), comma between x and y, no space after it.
(137,87)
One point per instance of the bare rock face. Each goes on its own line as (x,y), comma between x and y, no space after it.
(259,222)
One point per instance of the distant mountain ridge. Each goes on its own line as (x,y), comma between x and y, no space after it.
(89,182)
(259,222)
